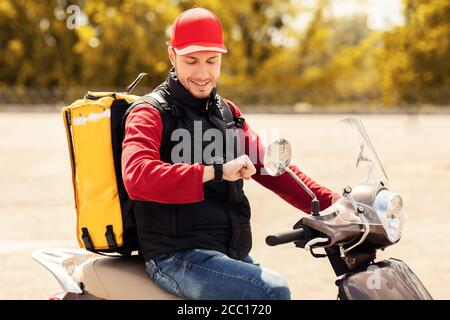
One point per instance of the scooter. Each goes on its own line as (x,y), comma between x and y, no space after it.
(367,218)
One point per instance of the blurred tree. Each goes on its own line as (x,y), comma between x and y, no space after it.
(35,47)
(347,70)
(332,62)
(66,43)
(272,68)
(118,39)
(271,60)
(415,62)
(124,38)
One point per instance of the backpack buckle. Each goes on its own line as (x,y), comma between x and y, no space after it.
(87,239)
(240,121)
(110,239)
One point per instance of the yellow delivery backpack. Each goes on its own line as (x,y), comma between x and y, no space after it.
(95,131)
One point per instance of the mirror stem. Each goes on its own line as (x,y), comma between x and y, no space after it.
(315,208)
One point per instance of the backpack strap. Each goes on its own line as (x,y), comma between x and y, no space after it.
(228,115)
(158,100)
(228,120)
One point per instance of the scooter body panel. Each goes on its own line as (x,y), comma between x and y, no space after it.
(389,279)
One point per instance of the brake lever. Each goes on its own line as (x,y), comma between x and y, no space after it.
(314,241)
(309,246)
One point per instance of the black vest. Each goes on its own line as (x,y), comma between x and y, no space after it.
(222,221)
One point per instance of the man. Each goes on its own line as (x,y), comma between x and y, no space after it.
(193,218)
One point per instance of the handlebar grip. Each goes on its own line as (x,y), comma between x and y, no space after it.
(286,237)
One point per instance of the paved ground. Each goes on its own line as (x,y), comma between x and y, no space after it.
(36,204)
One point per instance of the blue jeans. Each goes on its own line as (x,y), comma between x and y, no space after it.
(211,275)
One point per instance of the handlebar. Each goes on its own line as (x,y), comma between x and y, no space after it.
(300,234)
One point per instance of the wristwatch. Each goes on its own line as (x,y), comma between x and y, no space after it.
(217,163)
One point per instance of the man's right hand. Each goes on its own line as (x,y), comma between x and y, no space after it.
(239,168)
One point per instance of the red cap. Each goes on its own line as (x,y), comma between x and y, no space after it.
(195,30)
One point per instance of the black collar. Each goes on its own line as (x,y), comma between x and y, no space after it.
(181,96)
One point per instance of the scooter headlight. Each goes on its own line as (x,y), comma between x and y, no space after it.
(388,206)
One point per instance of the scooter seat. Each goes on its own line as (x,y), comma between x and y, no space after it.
(119,278)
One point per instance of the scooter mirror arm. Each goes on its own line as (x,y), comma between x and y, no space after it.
(315,207)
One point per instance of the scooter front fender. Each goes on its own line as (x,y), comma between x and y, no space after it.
(389,279)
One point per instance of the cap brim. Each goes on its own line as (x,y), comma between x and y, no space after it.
(213,47)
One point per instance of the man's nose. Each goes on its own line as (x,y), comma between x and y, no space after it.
(203,71)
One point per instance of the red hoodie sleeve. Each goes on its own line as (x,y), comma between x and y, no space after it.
(284,185)
(145,176)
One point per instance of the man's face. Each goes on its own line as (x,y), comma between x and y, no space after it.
(198,72)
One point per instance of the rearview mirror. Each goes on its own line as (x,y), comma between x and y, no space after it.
(277,157)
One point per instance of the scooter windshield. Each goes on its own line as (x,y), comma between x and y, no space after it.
(387,205)
(365,157)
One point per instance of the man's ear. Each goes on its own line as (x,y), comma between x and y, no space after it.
(171,53)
